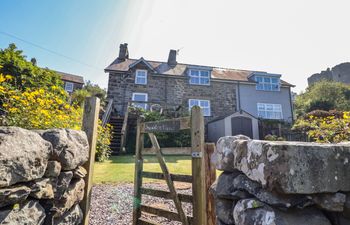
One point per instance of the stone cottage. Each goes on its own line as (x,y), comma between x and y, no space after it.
(178,86)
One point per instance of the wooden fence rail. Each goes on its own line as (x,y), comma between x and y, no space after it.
(203,172)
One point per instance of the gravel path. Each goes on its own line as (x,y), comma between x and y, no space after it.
(112,204)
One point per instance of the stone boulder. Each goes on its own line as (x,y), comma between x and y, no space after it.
(272,198)
(223,186)
(346,211)
(63,182)
(224,154)
(70,147)
(23,155)
(73,195)
(29,213)
(330,201)
(44,188)
(291,167)
(73,217)
(252,211)
(224,210)
(53,169)
(13,194)
(79,172)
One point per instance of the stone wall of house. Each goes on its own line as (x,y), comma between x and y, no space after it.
(41,177)
(281,183)
(172,91)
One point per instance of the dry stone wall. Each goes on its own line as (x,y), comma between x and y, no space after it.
(41,176)
(281,183)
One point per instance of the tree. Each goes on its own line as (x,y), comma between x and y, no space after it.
(88,90)
(25,73)
(33,98)
(323,95)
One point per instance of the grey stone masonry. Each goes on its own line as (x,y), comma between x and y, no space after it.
(281,183)
(34,188)
(173,92)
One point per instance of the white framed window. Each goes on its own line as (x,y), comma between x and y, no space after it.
(199,77)
(267,83)
(140,99)
(204,104)
(141,77)
(270,111)
(69,86)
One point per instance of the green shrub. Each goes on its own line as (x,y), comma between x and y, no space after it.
(103,150)
(270,137)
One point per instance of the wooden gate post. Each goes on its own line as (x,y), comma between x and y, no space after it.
(210,177)
(138,170)
(90,122)
(198,167)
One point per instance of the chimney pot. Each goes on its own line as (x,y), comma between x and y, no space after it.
(123,52)
(172,58)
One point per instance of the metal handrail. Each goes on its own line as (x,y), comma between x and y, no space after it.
(108,112)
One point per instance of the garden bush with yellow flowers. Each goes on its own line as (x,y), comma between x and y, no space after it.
(33,98)
(325,126)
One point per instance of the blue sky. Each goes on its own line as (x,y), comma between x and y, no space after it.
(295,38)
(85,31)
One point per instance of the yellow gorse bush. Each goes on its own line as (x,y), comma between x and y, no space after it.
(329,129)
(38,108)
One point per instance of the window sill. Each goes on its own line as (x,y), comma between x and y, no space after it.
(269,90)
(200,84)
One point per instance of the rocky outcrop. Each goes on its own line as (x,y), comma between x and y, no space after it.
(282,183)
(70,147)
(39,183)
(23,155)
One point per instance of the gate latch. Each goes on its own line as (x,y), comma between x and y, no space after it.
(196,154)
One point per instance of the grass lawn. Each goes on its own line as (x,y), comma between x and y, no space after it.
(120,169)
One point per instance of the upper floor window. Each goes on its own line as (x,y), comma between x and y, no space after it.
(141,77)
(200,77)
(270,111)
(267,83)
(139,100)
(69,86)
(204,104)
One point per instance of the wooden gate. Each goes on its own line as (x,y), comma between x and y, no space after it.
(203,173)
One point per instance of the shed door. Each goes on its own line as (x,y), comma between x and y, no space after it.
(242,125)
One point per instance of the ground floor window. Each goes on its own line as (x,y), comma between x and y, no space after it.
(270,111)
(204,104)
(139,99)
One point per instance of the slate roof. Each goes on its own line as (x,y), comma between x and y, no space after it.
(180,68)
(71,77)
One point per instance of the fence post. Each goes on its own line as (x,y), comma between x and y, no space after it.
(198,167)
(90,122)
(210,177)
(138,170)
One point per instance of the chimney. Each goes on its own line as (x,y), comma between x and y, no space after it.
(172,58)
(123,52)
